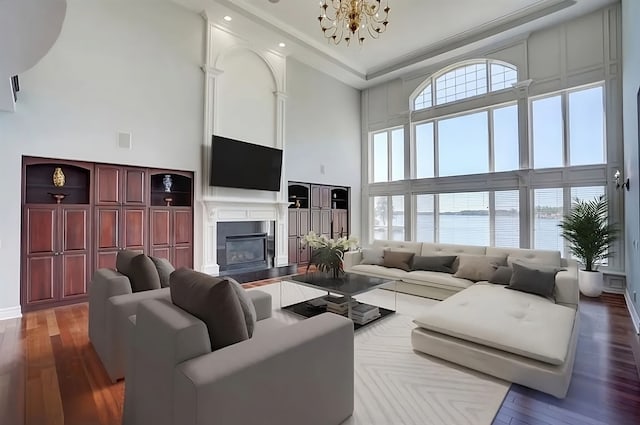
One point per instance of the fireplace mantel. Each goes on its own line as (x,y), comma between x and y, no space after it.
(220,209)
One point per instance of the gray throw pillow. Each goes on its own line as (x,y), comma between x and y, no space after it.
(212,300)
(436,263)
(398,260)
(372,256)
(123,261)
(164,268)
(502,275)
(477,267)
(538,280)
(143,274)
(248,309)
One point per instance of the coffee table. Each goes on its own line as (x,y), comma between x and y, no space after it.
(348,285)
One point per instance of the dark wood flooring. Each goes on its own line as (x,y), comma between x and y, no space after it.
(49,374)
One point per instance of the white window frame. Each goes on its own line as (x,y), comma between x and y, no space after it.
(389,132)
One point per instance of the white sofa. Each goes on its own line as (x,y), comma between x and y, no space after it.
(516,336)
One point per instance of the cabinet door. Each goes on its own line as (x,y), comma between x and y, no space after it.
(182,237)
(315,196)
(74,254)
(160,228)
(133,222)
(325,222)
(40,242)
(315,221)
(339,223)
(304,252)
(293,222)
(294,249)
(108,182)
(303,222)
(182,256)
(107,236)
(182,231)
(135,180)
(325,197)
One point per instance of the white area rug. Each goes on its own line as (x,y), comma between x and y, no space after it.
(395,385)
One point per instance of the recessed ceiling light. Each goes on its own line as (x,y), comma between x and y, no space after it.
(227,18)
(281,44)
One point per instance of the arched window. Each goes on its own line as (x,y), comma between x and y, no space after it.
(468,80)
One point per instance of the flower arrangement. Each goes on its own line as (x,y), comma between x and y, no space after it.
(328,253)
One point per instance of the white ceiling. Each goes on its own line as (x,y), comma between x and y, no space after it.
(419,31)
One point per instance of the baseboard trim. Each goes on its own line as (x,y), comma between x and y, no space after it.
(10,313)
(635,318)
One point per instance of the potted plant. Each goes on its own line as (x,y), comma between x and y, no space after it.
(586,227)
(328,253)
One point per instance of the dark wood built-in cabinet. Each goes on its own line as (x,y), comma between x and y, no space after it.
(171,232)
(321,208)
(70,230)
(121,212)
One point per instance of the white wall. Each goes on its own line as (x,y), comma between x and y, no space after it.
(323,133)
(631,115)
(118,65)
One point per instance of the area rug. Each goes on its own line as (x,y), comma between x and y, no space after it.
(396,386)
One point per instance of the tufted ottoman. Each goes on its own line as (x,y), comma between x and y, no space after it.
(512,335)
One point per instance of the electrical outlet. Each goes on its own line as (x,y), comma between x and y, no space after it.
(322,169)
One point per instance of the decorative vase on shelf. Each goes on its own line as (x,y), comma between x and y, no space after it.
(58,177)
(167,182)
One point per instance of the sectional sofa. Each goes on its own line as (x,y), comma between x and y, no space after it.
(513,335)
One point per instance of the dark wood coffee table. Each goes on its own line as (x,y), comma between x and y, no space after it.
(348,284)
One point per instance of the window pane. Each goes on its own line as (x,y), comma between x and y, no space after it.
(547,205)
(547,132)
(507,220)
(380,217)
(397,154)
(424,150)
(464,218)
(586,127)
(505,138)
(461,83)
(502,77)
(423,100)
(424,218)
(380,158)
(587,194)
(463,145)
(397,218)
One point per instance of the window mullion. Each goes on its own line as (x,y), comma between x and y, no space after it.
(492,162)
(565,126)
(436,159)
(492,218)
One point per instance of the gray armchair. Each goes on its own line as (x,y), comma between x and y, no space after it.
(284,374)
(111,302)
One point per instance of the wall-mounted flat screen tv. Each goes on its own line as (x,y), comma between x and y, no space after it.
(244,165)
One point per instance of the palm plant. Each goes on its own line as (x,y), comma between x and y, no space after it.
(587,229)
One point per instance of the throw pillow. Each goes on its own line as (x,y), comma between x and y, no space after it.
(123,261)
(437,263)
(164,268)
(477,267)
(248,309)
(501,275)
(143,274)
(212,300)
(538,280)
(398,260)
(372,256)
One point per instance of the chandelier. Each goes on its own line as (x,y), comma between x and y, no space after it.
(349,19)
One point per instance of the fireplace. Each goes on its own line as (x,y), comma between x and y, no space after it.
(245,246)
(247,250)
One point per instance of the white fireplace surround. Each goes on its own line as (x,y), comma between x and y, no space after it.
(221,209)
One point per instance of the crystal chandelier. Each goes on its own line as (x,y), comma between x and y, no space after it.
(349,19)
